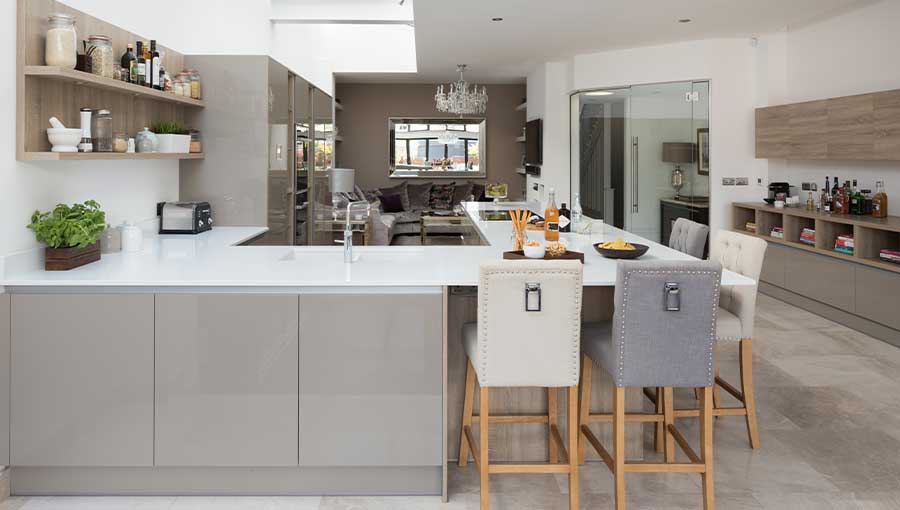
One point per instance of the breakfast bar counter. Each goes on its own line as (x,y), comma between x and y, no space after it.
(201,366)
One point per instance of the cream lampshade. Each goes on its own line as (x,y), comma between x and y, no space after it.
(341,180)
(678,153)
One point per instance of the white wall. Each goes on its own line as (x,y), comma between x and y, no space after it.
(547,95)
(853,53)
(730,66)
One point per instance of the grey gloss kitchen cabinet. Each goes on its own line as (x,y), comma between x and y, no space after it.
(370,379)
(4,379)
(226,380)
(82,380)
(805,275)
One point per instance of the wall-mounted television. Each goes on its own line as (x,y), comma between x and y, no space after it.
(534,136)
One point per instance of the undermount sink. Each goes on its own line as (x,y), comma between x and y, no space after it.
(387,254)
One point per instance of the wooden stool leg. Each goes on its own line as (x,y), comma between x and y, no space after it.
(572,418)
(668,398)
(659,440)
(706,448)
(619,440)
(717,393)
(746,357)
(584,403)
(552,413)
(483,448)
(467,414)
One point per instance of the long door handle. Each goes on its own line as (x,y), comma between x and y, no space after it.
(635,164)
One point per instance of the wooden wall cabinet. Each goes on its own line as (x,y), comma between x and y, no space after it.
(864,127)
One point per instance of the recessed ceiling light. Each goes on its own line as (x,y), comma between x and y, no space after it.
(496,19)
(599,93)
(685,20)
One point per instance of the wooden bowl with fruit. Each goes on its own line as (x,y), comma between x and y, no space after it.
(619,249)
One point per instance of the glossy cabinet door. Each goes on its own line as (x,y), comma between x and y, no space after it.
(878,295)
(370,379)
(226,380)
(822,278)
(4,379)
(82,380)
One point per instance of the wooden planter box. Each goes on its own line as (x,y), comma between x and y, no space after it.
(63,259)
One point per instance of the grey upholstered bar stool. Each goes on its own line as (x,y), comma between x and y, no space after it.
(662,335)
(689,237)
(527,335)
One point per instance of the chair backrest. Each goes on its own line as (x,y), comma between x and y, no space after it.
(519,347)
(689,237)
(664,325)
(744,255)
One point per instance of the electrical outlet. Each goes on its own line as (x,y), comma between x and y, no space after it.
(759,181)
(727,181)
(742,181)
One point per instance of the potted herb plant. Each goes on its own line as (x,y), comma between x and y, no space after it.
(71,233)
(173,138)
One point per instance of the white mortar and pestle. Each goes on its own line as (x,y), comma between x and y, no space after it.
(63,139)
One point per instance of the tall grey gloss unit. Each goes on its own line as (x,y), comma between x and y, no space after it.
(244,95)
(4,378)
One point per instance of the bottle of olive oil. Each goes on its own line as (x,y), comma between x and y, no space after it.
(551,219)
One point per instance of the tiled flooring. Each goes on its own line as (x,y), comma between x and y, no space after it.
(829,401)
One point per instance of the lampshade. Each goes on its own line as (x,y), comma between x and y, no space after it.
(341,180)
(678,152)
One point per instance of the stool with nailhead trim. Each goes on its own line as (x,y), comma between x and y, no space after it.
(662,335)
(527,335)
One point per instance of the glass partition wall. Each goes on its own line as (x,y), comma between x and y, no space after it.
(634,149)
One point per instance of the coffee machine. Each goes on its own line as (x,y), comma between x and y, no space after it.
(778,191)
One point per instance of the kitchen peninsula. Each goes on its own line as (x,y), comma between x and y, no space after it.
(197,366)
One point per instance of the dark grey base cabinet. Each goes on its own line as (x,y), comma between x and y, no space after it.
(669,212)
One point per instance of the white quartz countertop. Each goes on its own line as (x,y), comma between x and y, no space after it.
(212,259)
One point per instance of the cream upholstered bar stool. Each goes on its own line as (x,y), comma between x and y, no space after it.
(527,335)
(737,308)
(662,335)
(689,237)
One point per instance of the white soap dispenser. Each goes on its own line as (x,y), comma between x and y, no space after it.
(132,237)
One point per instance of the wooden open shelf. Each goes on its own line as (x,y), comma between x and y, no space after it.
(99,82)
(107,156)
(870,235)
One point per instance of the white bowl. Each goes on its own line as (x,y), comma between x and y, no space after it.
(64,139)
(535,252)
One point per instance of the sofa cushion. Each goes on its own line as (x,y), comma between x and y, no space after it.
(461,192)
(368,196)
(442,196)
(401,190)
(419,195)
(408,217)
(391,203)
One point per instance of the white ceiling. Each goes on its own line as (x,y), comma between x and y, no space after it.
(536,31)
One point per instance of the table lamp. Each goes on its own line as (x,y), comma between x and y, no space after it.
(678,153)
(340,180)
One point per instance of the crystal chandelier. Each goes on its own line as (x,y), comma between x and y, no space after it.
(461,99)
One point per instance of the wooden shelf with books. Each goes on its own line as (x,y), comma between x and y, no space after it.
(864,235)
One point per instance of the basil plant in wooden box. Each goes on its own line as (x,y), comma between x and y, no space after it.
(71,233)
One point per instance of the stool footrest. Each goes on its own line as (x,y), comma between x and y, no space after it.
(664,467)
(721,411)
(528,468)
(514,418)
(631,417)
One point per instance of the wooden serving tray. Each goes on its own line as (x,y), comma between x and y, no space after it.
(520,255)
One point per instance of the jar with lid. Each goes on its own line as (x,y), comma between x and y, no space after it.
(178,85)
(101,131)
(120,142)
(60,48)
(101,50)
(195,146)
(146,141)
(194,78)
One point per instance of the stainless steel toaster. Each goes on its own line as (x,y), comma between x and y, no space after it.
(184,217)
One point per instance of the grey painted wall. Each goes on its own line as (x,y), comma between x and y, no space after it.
(363,124)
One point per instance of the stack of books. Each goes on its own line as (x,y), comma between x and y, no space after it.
(777,232)
(890,256)
(808,236)
(750,227)
(844,244)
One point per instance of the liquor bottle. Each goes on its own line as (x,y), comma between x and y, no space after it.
(837,202)
(140,68)
(565,219)
(551,219)
(854,200)
(845,197)
(834,189)
(577,213)
(154,57)
(826,196)
(880,201)
(127,62)
(148,59)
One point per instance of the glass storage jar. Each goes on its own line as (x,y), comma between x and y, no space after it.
(101,131)
(194,77)
(120,142)
(100,47)
(60,48)
(195,142)
(179,84)
(146,141)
